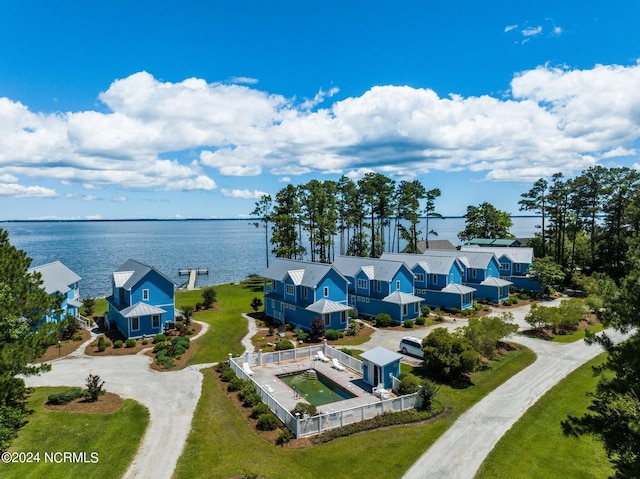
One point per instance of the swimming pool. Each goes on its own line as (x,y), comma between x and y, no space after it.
(316,387)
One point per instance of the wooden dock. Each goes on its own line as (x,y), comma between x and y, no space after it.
(193,274)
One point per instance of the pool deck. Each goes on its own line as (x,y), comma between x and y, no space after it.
(267,377)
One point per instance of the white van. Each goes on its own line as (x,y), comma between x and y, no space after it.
(411,345)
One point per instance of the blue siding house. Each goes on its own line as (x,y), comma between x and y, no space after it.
(514,264)
(142,302)
(438,279)
(380,286)
(297,292)
(62,285)
(378,365)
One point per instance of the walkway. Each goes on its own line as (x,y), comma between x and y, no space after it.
(460,451)
(171,398)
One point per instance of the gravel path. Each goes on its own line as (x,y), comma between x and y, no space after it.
(460,451)
(171,398)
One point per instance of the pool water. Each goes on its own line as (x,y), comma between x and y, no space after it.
(315,387)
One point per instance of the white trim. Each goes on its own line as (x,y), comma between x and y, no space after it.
(145,294)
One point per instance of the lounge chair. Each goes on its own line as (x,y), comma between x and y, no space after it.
(381,392)
(247,369)
(268,388)
(337,365)
(322,357)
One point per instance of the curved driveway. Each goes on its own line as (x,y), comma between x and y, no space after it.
(171,398)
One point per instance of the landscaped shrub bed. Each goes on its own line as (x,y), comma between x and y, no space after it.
(65,396)
(384,420)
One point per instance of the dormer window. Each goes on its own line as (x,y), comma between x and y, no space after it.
(145,295)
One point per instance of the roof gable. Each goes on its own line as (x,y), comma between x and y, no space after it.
(132,272)
(56,277)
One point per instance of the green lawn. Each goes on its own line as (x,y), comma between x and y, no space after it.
(577,335)
(535,446)
(115,437)
(222,444)
(227,327)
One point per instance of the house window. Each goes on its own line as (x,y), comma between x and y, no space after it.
(434,278)
(327,319)
(273,285)
(325,291)
(473,273)
(415,307)
(305,292)
(504,266)
(135,324)
(451,278)
(404,309)
(155,321)
(362,284)
(420,277)
(343,317)
(145,295)
(518,267)
(379,285)
(398,285)
(290,289)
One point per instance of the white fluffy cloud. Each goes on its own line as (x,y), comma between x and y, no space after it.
(174,136)
(244,194)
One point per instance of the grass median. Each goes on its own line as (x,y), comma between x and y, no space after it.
(223,445)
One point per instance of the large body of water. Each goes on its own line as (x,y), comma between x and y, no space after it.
(230,249)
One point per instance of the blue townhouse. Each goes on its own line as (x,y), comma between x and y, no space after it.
(514,264)
(481,272)
(142,302)
(380,286)
(297,292)
(438,280)
(62,285)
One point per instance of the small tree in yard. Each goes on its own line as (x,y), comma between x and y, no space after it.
(484,333)
(428,393)
(89,305)
(546,271)
(94,388)
(256,303)
(449,355)
(317,329)
(187,313)
(67,328)
(209,296)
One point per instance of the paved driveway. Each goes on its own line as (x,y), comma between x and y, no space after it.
(171,398)
(460,451)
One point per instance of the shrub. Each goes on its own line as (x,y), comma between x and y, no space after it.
(222,366)
(332,335)
(89,305)
(227,375)
(181,341)
(383,320)
(353,314)
(117,344)
(159,338)
(187,313)
(450,355)
(209,296)
(284,436)
(247,389)
(477,306)
(420,321)
(297,332)
(408,323)
(428,393)
(425,310)
(506,302)
(102,345)
(513,298)
(347,351)
(284,344)
(77,337)
(467,312)
(267,422)
(439,315)
(259,409)
(408,384)
(235,384)
(303,336)
(524,296)
(251,400)
(304,408)
(256,303)
(130,343)
(353,328)
(65,396)
(159,347)
(94,388)
(145,342)
(179,325)
(67,328)
(317,329)
(454,311)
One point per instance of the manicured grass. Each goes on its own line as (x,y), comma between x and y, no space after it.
(99,309)
(535,446)
(114,436)
(577,335)
(227,327)
(222,444)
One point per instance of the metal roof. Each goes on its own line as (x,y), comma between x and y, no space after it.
(381,356)
(496,282)
(141,309)
(56,277)
(325,306)
(402,298)
(433,264)
(478,258)
(457,289)
(516,255)
(382,269)
(302,273)
(132,271)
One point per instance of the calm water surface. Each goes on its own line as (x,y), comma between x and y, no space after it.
(230,249)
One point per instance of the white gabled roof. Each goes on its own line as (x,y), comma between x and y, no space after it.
(496,282)
(141,309)
(296,276)
(457,289)
(516,255)
(56,277)
(401,298)
(325,306)
(120,278)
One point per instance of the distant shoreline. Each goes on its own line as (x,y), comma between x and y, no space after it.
(122,220)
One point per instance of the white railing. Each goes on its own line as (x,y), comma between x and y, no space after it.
(302,427)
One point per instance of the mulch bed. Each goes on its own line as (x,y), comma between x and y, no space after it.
(108,402)
(66,347)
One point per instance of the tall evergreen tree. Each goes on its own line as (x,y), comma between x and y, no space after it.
(262,210)
(378,191)
(408,196)
(486,221)
(430,212)
(535,200)
(285,218)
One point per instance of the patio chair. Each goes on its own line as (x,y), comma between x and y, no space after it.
(322,357)
(337,365)
(247,369)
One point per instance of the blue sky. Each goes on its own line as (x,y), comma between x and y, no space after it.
(171,109)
